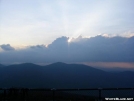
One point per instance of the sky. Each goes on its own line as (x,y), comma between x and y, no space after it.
(93,32)
(34,22)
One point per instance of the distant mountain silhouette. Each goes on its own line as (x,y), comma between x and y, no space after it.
(61,75)
(1,65)
(115,69)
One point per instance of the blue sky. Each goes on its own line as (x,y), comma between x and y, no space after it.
(33,22)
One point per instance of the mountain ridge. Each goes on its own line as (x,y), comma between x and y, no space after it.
(62,75)
(1,65)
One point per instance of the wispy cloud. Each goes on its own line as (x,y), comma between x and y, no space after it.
(45,20)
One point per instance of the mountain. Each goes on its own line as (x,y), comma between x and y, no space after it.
(22,75)
(61,75)
(1,65)
(115,69)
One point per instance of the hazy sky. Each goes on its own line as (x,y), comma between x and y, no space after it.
(32,22)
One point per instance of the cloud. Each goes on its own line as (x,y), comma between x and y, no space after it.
(7,47)
(38,47)
(93,49)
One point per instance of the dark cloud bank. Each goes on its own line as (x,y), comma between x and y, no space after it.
(94,49)
(6,47)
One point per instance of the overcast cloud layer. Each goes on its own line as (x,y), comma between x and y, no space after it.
(94,49)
